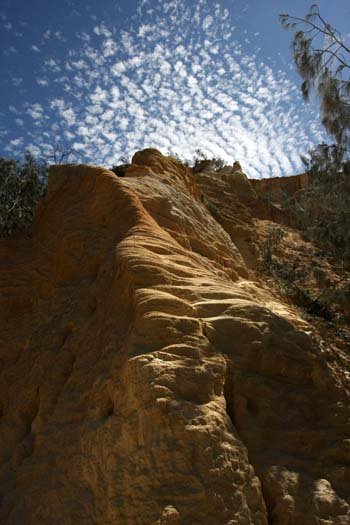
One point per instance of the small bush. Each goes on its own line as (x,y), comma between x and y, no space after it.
(314,306)
(217,163)
(22,184)
(322,209)
(287,276)
(271,245)
(120,170)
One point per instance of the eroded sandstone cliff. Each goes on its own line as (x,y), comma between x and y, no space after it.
(148,376)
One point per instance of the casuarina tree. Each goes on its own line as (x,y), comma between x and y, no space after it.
(322,58)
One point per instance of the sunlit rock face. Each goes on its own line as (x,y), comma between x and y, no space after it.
(148,376)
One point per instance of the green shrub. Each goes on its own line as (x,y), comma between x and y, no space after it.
(22,184)
(313,305)
(217,163)
(323,213)
(287,274)
(120,169)
(271,245)
(322,58)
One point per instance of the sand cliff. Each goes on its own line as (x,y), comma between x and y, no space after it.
(148,375)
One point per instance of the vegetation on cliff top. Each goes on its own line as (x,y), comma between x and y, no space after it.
(22,184)
(322,59)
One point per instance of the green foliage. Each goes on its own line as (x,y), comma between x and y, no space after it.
(120,169)
(313,305)
(216,162)
(21,186)
(323,212)
(288,277)
(271,245)
(325,159)
(323,62)
(176,156)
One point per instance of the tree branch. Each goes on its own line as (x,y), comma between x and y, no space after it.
(324,31)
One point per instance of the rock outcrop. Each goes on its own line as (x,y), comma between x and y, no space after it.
(148,376)
(278,189)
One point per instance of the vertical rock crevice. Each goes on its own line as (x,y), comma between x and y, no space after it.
(229,394)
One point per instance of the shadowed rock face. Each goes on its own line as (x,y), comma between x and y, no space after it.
(280,188)
(148,377)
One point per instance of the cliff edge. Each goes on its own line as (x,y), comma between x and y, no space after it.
(149,375)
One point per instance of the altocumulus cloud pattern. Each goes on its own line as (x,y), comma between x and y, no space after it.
(174,77)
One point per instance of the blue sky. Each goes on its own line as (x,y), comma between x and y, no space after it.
(110,77)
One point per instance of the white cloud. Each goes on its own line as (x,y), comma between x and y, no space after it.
(58,35)
(78,64)
(16,142)
(174,77)
(17,81)
(83,36)
(123,123)
(69,116)
(99,95)
(35,150)
(207,22)
(42,82)
(35,111)
(102,30)
(180,69)
(109,47)
(118,68)
(144,29)
(11,50)
(52,65)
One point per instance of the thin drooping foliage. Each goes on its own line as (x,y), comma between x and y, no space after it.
(217,163)
(322,58)
(22,184)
